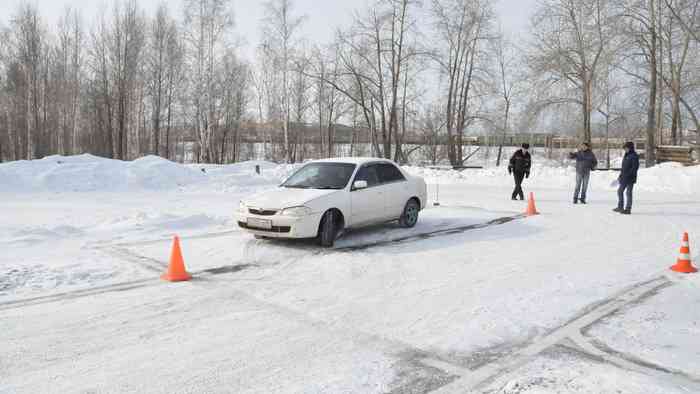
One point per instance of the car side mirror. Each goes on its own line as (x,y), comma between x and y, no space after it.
(358,185)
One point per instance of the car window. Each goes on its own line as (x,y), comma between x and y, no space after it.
(369,174)
(389,173)
(321,176)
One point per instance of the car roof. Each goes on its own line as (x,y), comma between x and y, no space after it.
(353,160)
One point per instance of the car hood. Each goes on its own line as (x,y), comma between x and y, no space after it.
(285,197)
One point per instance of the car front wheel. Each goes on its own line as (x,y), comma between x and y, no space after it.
(409,218)
(327,230)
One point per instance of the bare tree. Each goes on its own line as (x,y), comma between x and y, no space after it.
(28,43)
(164,57)
(328,102)
(688,23)
(173,77)
(235,101)
(207,24)
(102,86)
(266,84)
(431,125)
(5,103)
(126,40)
(301,103)
(508,84)
(571,38)
(678,46)
(281,27)
(373,56)
(641,26)
(67,69)
(463,27)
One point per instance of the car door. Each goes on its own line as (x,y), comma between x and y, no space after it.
(367,205)
(396,189)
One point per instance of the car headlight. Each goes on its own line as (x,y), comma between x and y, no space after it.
(242,207)
(296,211)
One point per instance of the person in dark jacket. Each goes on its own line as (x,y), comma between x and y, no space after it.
(585,163)
(627,179)
(520,168)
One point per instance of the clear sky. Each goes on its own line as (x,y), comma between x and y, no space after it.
(323,16)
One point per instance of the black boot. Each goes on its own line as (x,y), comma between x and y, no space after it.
(575,200)
(583,201)
(626,212)
(618,209)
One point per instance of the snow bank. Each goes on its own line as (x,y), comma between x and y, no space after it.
(86,172)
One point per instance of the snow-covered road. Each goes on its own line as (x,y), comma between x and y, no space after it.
(578,299)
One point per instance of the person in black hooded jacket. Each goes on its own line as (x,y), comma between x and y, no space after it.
(519,166)
(627,179)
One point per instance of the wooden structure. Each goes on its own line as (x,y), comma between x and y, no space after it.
(678,154)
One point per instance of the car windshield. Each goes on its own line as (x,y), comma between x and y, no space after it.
(321,176)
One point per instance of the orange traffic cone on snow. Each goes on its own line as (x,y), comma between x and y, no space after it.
(683,264)
(531,210)
(176,270)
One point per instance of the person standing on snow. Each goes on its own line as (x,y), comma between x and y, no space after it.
(627,179)
(585,163)
(519,166)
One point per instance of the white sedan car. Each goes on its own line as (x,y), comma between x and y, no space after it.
(325,197)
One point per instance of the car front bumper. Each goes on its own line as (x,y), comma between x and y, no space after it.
(282,226)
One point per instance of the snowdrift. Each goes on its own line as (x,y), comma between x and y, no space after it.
(85,173)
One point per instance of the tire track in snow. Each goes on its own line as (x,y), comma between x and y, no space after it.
(429,234)
(147,263)
(570,331)
(118,287)
(123,286)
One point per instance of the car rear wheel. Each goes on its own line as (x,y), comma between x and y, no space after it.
(409,218)
(327,230)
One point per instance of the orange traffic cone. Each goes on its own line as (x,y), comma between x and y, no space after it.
(176,270)
(531,210)
(683,264)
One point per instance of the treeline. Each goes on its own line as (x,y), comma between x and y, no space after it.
(128,84)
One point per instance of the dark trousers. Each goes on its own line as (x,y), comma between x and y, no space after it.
(629,187)
(518,191)
(582,179)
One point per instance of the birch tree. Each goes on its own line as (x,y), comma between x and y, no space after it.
(28,43)
(207,25)
(126,41)
(281,28)
(162,64)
